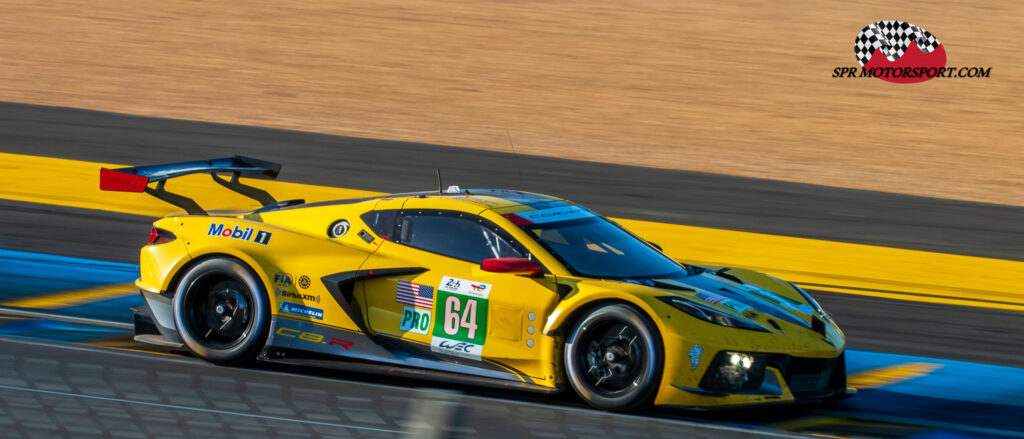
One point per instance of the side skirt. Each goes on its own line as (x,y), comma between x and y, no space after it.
(310,359)
(295,341)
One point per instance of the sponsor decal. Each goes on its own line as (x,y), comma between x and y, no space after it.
(900,52)
(414,294)
(711,298)
(313,337)
(302,310)
(734,305)
(465,287)
(282,279)
(779,300)
(415,320)
(462,328)
(300,296)
(550,215)
(338,229)
(456,348)
(694,354)
(236,232)
(304,282)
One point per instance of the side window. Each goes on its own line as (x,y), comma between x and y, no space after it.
(452,236)
(382,222)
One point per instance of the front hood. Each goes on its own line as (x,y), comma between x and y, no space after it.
(757,297)
(748,299)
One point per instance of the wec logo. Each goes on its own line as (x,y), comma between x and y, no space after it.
(262,236)
(455,347)
(460,346)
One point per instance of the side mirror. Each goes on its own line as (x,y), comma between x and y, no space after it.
(511,265)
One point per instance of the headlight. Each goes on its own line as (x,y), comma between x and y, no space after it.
(709,314)
(734,371)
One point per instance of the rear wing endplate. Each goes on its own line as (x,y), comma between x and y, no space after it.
(138,178)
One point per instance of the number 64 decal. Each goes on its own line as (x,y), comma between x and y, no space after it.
(461,318)
(452,320)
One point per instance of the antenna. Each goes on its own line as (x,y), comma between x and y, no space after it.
(440,187)
(515,158)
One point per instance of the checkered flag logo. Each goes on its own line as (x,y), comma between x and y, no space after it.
(893,37)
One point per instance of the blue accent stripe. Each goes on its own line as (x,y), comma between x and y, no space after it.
(65,332)
(25,274)
(953,380)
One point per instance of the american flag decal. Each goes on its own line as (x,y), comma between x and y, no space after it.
(420,296)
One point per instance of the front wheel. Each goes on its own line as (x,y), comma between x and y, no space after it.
(222,311)
(613,358)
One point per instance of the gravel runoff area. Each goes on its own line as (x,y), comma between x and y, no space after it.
(740,89)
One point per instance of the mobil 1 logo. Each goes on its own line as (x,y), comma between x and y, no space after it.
(237,232)
(461,327)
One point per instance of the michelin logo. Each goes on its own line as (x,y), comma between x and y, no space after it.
(291,308)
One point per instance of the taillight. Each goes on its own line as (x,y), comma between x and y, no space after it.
(159,236)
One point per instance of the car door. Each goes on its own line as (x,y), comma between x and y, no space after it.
(453,309)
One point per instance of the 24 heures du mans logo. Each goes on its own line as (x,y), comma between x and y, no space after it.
(900,52)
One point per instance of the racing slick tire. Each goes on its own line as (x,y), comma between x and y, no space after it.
(222,311)
(613,358)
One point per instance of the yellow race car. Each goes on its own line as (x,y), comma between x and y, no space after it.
(479,286)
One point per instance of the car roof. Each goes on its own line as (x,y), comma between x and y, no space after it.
(492,199)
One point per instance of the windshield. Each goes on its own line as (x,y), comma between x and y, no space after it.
(594,247)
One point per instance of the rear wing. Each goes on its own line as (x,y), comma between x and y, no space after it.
(138,178)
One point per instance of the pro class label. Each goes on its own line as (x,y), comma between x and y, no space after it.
(415,320)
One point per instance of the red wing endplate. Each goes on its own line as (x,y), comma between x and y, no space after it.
(137,179)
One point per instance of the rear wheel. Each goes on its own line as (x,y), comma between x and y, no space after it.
(613,358)
(222,311)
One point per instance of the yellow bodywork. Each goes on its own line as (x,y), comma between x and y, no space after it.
(527,318)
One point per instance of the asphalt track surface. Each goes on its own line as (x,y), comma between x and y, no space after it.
(52,389)
(968,334)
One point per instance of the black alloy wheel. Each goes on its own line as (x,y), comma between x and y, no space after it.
(221,314)
(613,358)
(221,311)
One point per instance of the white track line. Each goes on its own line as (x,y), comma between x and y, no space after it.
(18,312)
(197,409)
